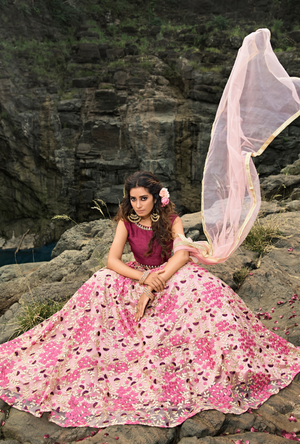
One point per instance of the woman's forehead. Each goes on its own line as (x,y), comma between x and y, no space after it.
(139,191)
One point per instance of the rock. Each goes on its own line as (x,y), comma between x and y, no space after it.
(133,434)
(80,235)
(194,235)
(85,82)
(13,271)
(277,279)
(235,41)
(107,100)
(192,222)
(81,34)
(87,53)
(129,29)
(155,30)
(238,422)
(293,206)
(131,49)
(293,169)
(295,194)
(252,438)
(272,207)
(3,405)
(279,186)
(10,441)
(25,427)
(135,81)
(295,35)
(72,105)
(54,271)
(115,53)
(193,440)
(208,422)
(102,50)
(120,77)
(20,242)
(240,259)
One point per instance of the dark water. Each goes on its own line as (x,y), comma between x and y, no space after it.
(33,255)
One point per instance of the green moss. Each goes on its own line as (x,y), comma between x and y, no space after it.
(107,86)
(215,50)
(205,69)
(44,59)
(118,64)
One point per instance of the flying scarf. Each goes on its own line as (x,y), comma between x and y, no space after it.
(260,100)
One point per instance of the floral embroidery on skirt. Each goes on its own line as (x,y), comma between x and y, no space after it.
(198,347)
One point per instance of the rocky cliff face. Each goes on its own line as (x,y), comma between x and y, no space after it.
(80,112)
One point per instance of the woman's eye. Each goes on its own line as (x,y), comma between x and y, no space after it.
(144,198)
(132,199)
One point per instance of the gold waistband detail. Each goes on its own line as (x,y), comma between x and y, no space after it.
(148,267)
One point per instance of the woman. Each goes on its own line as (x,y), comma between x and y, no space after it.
(133,347)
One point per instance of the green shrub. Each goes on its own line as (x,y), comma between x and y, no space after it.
(220,22)
(144,45)
(277,27)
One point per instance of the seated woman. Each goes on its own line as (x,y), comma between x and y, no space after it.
(151,342)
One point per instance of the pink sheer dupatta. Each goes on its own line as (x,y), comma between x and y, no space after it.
(259,101)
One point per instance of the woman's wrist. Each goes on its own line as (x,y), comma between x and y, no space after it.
(144,276)
(148,292)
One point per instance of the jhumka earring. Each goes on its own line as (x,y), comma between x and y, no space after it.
(154,217)
(134,218)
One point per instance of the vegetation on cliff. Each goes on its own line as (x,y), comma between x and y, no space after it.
(91,91)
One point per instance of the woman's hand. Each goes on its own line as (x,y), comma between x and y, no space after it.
(140,307)
(155,281)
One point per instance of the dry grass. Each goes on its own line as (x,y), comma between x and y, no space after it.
(34,313)
(240,275)
(263,236)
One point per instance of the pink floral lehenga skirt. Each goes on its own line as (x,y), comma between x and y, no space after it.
(198,347)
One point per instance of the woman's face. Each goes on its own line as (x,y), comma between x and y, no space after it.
(141,201)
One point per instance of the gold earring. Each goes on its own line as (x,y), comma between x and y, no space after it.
(134,218)
(154,217)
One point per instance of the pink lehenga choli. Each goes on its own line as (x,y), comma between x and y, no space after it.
(198,347)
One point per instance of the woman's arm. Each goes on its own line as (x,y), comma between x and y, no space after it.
(115,253)
(180,258)
(115,263)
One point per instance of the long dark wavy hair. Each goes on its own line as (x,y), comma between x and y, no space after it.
(162,229)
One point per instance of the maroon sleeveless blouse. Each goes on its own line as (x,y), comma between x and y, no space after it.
(139,237)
